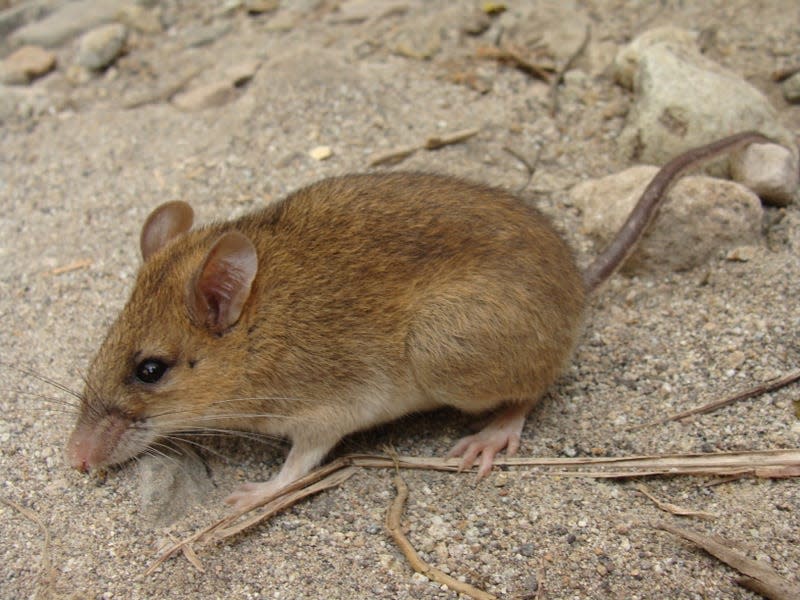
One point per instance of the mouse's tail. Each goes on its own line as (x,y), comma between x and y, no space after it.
(624,242)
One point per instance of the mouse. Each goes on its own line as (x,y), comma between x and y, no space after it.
(348,304)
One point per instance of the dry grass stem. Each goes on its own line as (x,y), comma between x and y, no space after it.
(440,141)
(392,156)
(765,463)
(530,166)
(432,143)
(47,574)
(73,266)
(719,463)
(759,576)
(393,524)
(762,388)
(513,56)
(673,508)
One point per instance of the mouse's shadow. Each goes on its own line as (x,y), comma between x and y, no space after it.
(419,434)
(170,486)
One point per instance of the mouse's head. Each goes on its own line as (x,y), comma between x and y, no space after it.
(173,352)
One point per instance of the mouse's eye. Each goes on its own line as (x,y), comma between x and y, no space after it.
(150,370)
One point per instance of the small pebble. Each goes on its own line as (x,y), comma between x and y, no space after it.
(321,153)
(26,64)
(101,46)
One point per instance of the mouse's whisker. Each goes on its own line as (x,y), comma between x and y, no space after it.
(196,444)
(156,453)
(236,401)
(44,379)
(46,398)
(217,432)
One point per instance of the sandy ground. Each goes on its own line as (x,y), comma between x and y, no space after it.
(76,185)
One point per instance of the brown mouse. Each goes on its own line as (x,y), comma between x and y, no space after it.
(352,302)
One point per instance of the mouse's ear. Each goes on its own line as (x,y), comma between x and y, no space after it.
(166,222)
(218,291)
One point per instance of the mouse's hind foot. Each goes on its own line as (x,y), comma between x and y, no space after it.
(502,432)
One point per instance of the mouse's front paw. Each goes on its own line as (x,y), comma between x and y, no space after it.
(251,495)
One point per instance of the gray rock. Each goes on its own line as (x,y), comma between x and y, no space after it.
(702,218)
(171,485)
(26,64)
(72,19)
(101,46)
(22,14)
(626,61)
(680,104)
(769,170)
(791,88)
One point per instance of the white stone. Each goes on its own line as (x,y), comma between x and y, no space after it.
(681,104)
(769,170)
(101,46)
(626,62)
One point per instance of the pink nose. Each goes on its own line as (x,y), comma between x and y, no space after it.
(82,449)
(78,454)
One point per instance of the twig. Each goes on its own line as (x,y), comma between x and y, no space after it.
(393,516)
(512,55)
(626,466)
(530,167)
(73,266)
(564,68)
(46,573)
(673,508)
(436,142)
(393,156)
(763,388)
(760,577)
(432,143)
(765,463)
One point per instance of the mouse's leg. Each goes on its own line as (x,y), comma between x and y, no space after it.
(303,457)
(503,431)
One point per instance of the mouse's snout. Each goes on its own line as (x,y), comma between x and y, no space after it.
(97,444)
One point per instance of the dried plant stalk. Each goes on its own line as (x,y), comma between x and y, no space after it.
(393,517)
(759,576)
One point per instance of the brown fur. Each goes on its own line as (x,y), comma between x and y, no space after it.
(375,296)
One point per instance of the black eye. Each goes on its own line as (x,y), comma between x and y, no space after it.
(150,370)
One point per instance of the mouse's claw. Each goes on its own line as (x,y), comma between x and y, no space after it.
(250,495)
(503,431)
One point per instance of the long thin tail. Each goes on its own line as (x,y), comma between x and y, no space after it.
(612,258)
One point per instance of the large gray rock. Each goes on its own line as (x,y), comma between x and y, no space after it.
(70,20)
(626,62)
(684,100)
(16,16)
(702,218)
